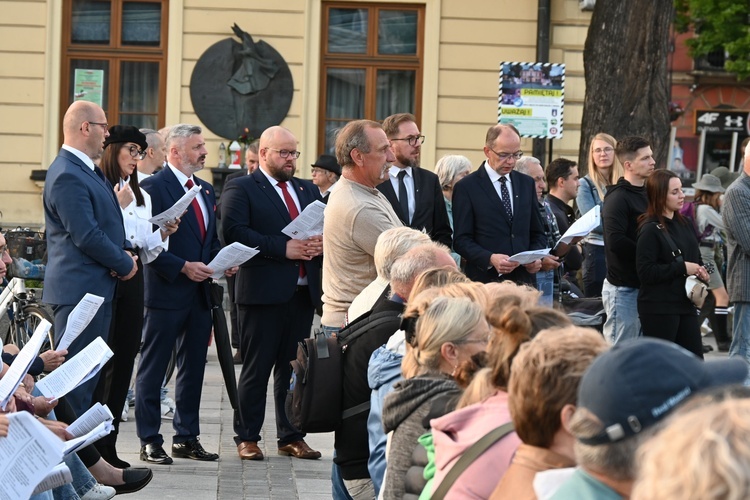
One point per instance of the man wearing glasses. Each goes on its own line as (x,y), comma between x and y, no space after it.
(414,193)
(276,291)
(495,213)
(85,233)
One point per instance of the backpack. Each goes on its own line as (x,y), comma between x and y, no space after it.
(688,211)
(314,401)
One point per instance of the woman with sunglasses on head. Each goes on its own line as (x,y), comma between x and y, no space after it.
(124,147)
(603,170)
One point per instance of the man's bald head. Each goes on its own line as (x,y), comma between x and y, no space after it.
(85,127)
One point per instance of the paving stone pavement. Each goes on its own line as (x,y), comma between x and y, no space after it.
(276,477)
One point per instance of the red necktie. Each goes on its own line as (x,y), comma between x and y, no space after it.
(293,213)
(197,210)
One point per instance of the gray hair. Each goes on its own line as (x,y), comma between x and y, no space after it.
(420,258)
(449,166)
(524,163)
(394,243)
(152,137)
(353,136)
(181,132)
(253,146)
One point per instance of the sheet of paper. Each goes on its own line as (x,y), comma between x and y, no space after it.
(14,375)
(90,419)
(59,475)
(230,256)
(76,370)
(309,223)
(529,256)
(177,209)
(79,318)
(27,454)
(93,435)
(583,226)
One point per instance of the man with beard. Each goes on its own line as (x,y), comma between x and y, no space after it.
(178,306)
(276,291)
(85,235)
(414,193)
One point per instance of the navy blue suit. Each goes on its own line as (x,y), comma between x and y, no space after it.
(85,241)
(274,312)
(177,310)
(482,227)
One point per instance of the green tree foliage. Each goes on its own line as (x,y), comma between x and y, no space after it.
(721,25)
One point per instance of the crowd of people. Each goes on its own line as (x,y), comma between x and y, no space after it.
(476,384)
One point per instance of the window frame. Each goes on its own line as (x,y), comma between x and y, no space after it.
(115,53)
(371,61)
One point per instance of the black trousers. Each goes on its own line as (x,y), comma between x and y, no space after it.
(235,329)
(268,341)
(682,329)
(124,341)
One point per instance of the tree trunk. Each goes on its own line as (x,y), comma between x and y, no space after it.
(625,64)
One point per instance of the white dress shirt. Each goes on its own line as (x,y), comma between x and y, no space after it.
(495,178)
(138,229)
(409,182)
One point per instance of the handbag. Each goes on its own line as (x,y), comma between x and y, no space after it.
(695,289)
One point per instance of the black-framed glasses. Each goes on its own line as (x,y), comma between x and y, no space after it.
(285,153)
(136,153)
(506,156)
(104,125)
(413,140)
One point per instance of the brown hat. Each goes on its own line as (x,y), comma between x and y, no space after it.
(328,162)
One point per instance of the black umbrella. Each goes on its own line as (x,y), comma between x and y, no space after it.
(223,344)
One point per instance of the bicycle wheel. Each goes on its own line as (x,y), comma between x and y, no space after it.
(23,325)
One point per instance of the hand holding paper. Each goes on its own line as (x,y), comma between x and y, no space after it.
(231,256)
(583,226)
(176,210)
(308,224)
(529,256)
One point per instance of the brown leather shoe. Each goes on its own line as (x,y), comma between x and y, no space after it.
(248,450)
(299,449)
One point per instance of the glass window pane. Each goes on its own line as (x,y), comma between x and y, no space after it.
(141,24)
(90,85)
(396,92)
(139,121)
(347,31)
(345,95)
(397,32)
(139,87)
(90,22)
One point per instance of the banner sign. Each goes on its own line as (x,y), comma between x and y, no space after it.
(531,98)
(722,121)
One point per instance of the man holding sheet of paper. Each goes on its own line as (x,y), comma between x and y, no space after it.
(562,179)
(277,291)
(178,309)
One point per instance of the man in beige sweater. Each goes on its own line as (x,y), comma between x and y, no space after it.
(355,216)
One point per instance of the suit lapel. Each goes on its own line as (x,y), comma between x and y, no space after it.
(489,189)
(270,191)
(97,180)
(177,191)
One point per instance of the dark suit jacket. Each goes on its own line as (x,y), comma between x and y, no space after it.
(429,206)
(165,286)
(482,227)
(254,215)
(85,234)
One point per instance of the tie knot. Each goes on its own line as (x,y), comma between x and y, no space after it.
(503,179)
(401,175)
(189,184)
(282,185)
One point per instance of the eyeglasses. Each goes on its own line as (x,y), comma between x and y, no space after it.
(285,153)
(607,150)
(136,153)
(506,156)
(412,140)
(104,125)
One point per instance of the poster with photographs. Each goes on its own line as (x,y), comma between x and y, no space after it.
(531,98)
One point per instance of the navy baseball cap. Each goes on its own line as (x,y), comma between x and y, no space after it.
(638,382)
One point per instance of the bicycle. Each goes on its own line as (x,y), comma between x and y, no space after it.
(24,313)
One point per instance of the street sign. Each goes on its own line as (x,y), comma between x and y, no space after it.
(531,98)
(722,121)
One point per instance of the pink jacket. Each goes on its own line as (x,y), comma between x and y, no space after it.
(455,432)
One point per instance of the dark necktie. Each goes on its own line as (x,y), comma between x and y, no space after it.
(99,172)
(403,197)
(506,197)
(197,210)
(293,213)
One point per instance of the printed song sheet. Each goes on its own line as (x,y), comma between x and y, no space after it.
(16,372)
(230,256)
(79,318)
(583,226)
(529,256)
(177,209)
(93,435)
(76,370)
(59,475)
(88,421)
(309,223)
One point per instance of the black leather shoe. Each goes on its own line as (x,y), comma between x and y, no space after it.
(135,479)
(192,449)
(155,454)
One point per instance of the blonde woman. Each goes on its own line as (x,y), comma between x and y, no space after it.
(603,170)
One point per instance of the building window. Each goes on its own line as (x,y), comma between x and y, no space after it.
(371,64)
(115,52)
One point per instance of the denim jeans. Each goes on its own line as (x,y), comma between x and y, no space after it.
(741,333)
(621,306)
(330,330)
(545,283)
(83,481)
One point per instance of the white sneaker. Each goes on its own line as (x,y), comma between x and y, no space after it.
(167,413)
(167,401)
(124,416)
(99,492)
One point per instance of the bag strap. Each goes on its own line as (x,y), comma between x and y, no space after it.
(676,252)
(468,457)
(355,410)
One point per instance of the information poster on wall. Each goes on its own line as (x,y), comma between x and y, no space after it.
(531,98)
(88,85)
